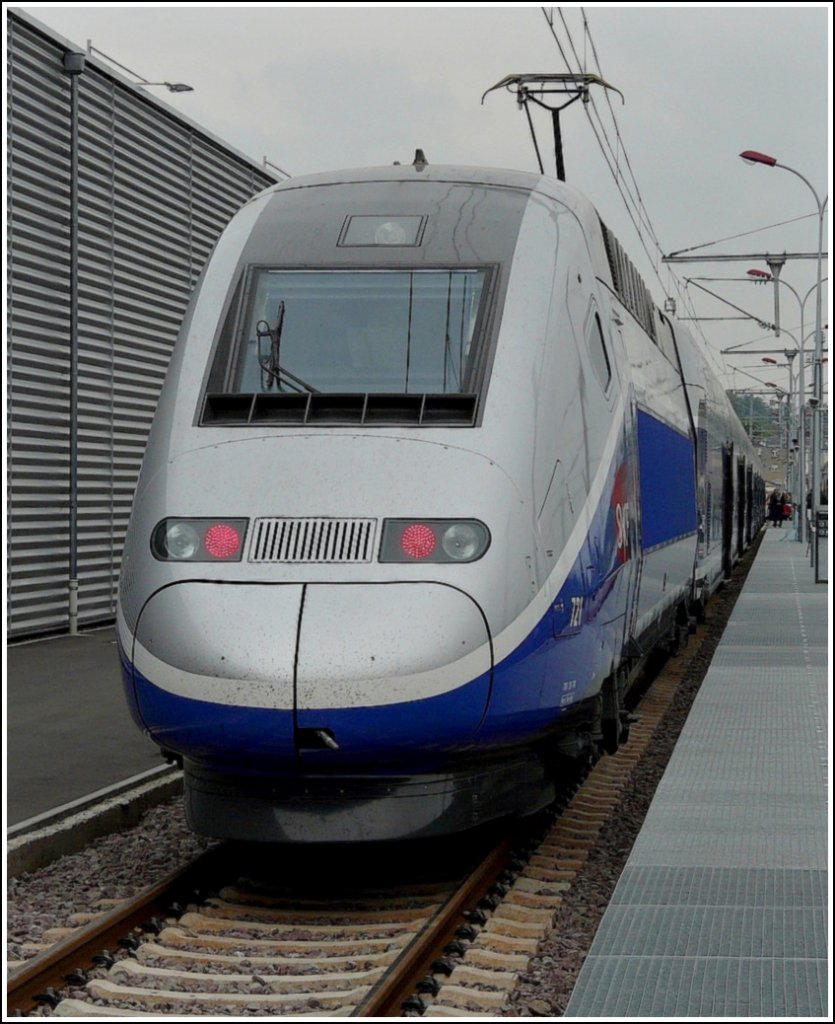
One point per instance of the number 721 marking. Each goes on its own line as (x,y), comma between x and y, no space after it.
(576,611)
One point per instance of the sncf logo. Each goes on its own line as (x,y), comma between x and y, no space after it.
(620,505)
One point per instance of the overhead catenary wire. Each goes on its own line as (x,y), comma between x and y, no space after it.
(739,369)
(681,290)
(630,194)
(611,158)
(742,234)
(636,200)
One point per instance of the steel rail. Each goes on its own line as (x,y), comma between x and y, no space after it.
(401,979)
(50,968)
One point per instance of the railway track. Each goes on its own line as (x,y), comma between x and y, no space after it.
(340,939)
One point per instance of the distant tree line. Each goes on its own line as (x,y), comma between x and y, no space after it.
(762,419)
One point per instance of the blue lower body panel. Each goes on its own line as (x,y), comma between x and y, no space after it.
(408,770)
(264,740)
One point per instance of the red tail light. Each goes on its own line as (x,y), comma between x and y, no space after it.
(418,540)
(222,540)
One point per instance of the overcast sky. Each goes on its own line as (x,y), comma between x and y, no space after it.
(317,88)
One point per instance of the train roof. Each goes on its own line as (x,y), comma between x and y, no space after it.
(495,177)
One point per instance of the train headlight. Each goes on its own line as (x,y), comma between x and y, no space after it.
(180,541)
(199,540)
(463,541)
(433,540)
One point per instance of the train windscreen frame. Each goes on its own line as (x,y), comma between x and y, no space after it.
(370,333)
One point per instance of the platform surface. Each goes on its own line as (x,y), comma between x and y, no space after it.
(68,729)
(721,910)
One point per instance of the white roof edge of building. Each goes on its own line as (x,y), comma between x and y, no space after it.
(110,72)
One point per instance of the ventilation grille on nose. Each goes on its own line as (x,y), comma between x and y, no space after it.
(312,540)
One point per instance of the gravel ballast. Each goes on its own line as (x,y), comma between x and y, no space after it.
(114,867)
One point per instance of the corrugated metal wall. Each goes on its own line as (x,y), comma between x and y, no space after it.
(154,193)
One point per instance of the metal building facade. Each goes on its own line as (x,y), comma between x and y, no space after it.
(153,194)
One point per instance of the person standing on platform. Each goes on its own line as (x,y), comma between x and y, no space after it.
(775,507)
(788,506)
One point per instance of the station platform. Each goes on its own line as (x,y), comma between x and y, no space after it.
(722,907)
(68,729)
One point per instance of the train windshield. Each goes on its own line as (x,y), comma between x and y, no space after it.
(356,331)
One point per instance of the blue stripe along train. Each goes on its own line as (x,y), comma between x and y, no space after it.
(429,476)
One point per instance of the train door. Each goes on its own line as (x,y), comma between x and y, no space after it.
(727,507)
(749,506)
(632,525)
(626,497)
(703,488)
(740,505)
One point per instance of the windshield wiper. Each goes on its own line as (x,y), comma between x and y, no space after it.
(271,364)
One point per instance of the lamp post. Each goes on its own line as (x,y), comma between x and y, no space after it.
(754,157)
(798,485)
(763,276)
(792,480)
(73,66)
(781,394)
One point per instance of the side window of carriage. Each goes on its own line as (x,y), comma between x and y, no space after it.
(598,351)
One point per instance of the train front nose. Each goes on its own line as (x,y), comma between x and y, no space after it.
(332,674)
(386,668)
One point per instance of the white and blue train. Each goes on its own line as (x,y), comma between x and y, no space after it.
(429,475)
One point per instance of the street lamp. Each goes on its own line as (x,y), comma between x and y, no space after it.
(143,82)
(793,484)
(781,394)
(170,86)
(763,276)
(752,156)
